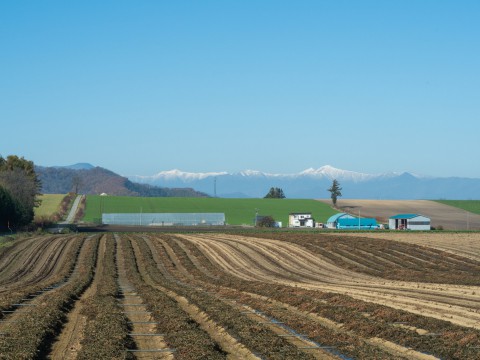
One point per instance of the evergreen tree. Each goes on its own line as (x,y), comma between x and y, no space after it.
(275,193)
(19,180)
(10,215)
(335,191)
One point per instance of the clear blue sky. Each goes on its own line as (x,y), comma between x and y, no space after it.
(277,86)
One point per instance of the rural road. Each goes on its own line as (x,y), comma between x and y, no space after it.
(73,210)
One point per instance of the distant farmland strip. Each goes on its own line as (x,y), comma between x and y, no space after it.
(237,211)
(469,205)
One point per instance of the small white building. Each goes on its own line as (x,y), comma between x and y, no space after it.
(301,220)
(409,222)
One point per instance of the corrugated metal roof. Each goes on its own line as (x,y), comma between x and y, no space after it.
(404,216)
(334,218)
(357,222)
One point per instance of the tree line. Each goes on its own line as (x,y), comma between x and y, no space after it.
(19,190)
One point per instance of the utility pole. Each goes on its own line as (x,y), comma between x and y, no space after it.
(358,218)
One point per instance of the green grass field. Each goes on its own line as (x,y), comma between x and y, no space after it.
(50,204)
(237,211)
(469,205)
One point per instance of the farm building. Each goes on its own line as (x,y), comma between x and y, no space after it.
(332,221)
(357,224)
(301,220)
(409,222)
(164,219)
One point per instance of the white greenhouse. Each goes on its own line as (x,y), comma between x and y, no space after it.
(165,219)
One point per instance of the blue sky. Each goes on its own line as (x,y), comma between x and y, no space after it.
(277,86)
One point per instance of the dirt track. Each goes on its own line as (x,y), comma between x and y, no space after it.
(449,217)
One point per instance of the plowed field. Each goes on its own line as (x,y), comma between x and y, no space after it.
(230,296)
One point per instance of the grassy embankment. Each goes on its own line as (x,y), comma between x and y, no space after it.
(472,206)
(50,204)
(237,211)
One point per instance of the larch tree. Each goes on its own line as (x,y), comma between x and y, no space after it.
(335,191)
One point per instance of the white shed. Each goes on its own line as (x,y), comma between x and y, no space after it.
(409,222)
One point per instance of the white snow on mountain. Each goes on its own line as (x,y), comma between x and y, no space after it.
(178,174)
(330,172)
(326,171)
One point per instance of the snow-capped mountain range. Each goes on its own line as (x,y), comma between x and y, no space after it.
(326,171)
(312,183)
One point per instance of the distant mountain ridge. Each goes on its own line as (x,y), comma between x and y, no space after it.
(97,180)
(312,183)
(326,171)
(77,166)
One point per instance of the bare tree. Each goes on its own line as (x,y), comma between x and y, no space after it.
(77,183)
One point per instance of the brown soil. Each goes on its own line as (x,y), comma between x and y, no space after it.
(39,260)
(395,350)
(292,265)
(143,327)
(430,278)
(449,217)
(68,343)
(235,350)
(462,244)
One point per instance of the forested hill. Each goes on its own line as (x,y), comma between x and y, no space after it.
(97,180)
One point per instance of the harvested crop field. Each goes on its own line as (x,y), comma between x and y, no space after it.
(231,296)
(449,217)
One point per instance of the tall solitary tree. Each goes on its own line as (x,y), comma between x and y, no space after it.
(335,191)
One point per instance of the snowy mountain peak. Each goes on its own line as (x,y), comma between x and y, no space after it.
(251,173)
(313,183)
(331,172)
(178,174)
(327,171)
